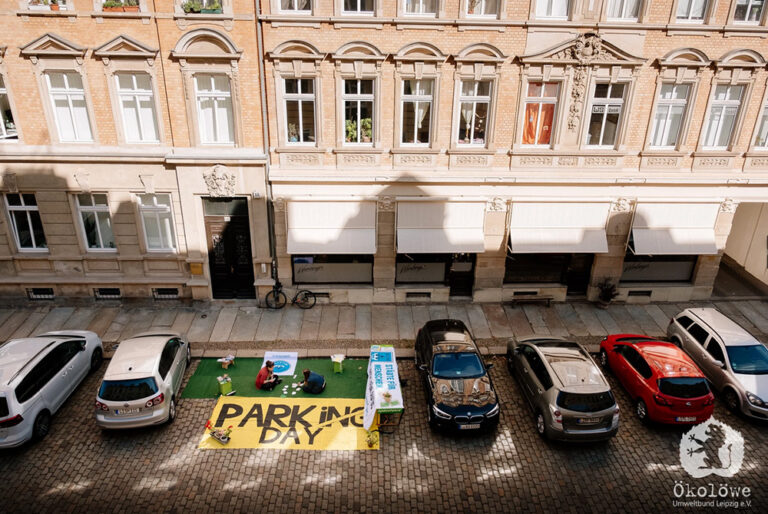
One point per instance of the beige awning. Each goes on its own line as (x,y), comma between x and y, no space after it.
(674,229)
(440,227)
(331,227)
(558,227)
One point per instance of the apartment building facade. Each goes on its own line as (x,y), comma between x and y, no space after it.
(132,154)
(414,149)
(434,149)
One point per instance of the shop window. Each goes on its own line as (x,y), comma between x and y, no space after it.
(25,221)
(658,268)
(421,268)
(530,268)
(332,269)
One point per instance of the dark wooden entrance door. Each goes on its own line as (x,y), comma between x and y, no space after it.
(227,231)
(578,272)
(461,274)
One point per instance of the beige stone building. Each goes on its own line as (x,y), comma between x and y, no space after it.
(432,149)
(132,152)
(418,150)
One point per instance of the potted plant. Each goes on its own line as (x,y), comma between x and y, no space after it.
(54,5)
(293,133)
(366,130)
(350,127)
(219,434)
(131,6)
(471,6)
(38,5)
(192,6)
(112,6)
(372,437)
(213,7)
(607,291)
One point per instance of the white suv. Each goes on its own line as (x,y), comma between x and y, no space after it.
(142,381)
(37,375)
(735,363)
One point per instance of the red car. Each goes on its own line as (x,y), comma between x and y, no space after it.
(662,380)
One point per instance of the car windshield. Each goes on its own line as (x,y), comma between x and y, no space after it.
(684,387)
(127,390)
(586,402)
(456,365)
(748,360)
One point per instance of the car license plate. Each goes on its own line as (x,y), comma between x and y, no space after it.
(471,426)
(125,412)
(685,419)
(588,421)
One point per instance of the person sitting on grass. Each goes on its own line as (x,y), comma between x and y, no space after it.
(313,383)
(265,380)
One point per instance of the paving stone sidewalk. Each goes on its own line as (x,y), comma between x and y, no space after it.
(217,328)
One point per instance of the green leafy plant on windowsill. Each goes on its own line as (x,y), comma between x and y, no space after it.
(366,130)
(192,6)
(350,127)
(212,8)
(112,6)
(293,133)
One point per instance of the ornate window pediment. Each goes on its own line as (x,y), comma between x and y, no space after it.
(739,65)
(206,45)
(296,58)
(419,59)
(683,64)
(358,59)
(51,45)
(479,61)
(125,46)
(585,50)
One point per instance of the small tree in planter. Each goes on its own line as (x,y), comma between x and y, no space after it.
(112,6)
(607,291)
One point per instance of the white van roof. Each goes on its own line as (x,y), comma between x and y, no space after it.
(17,353)
(137,357)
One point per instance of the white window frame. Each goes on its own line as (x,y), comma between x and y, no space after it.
(295,9)
(421,14)
(668,103)
(722,105)
(417,99)
(482,4)
(216,96)
(95,209)
(358,98)
(762,123)
(550,4)
(607,102)
(301,98)
(156,210)
(541,100)
(474,99)
(5,136)
(358,12)
(688,19)
(623,16)
(749,3)
(136,95)
(26,209)
(69,93)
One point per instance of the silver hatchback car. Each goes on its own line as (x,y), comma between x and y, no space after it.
(568,393)
(142,381)
(734,362)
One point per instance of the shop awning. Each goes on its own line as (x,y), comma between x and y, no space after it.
(440,227)
(674,229)
(558,227)
(331,227)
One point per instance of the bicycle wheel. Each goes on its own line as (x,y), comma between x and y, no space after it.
(276,299)
(305,299)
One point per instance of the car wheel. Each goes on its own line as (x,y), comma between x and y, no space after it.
(541,425)
(42,425)
(731,400)
(641,411)
(96,357)
(172,410)
(604,360)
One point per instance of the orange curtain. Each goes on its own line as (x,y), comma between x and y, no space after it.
(547,116)
(531,121)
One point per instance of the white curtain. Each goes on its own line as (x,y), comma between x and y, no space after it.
(466,115)
(421,111)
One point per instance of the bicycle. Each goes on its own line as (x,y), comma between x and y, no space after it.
(276,298)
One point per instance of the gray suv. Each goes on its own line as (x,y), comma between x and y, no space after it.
(734,362)
(570,397)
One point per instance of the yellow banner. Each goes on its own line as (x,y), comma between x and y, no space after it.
(289,424)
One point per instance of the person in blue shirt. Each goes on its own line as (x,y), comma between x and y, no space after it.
(313,383)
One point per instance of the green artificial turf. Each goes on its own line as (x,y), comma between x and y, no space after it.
(349,384)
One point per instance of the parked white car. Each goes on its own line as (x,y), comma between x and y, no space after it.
(37,375)
(142,381)
(734,362)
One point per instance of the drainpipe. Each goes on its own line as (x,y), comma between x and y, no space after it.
(265,129)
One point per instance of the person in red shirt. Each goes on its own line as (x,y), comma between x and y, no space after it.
(265,380)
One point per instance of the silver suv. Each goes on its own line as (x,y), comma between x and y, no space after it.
(37,375)
(570,397)
(142,381)
(734,362)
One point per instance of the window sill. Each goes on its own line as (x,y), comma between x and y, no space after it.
(357,149)
(414,149)
(123,15)
(197,16)
(42,254)
(55,14)
(479,150)
(299,149)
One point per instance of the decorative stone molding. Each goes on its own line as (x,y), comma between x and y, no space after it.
(712,162)
(300,160)
(220,181)
(414,159)
(757,162)
(83,181)
(496,204)
(386,204)
(729,205)
(600,161)
(9,182)
(535,160)
(567,161)
(621,205)
(125,46)
(469,161)
(661,162)
(148,181)
(51,45)
(358,159)
(279,204)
